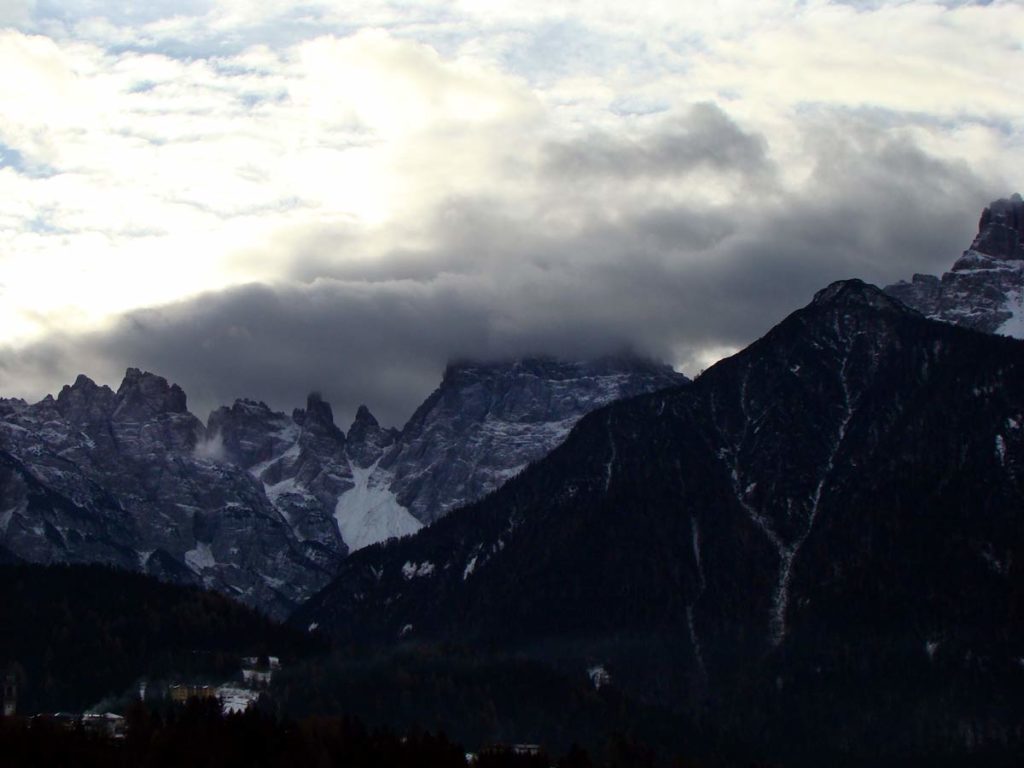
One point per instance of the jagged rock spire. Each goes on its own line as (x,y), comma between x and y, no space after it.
(318,417)
(144,394)
(85,401)
(1001,229)
(367,441)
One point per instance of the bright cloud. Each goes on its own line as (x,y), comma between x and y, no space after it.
(152,154)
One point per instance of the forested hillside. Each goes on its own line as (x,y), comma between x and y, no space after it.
(73,635)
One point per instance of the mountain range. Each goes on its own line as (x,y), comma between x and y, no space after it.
(814,548)
(261,505)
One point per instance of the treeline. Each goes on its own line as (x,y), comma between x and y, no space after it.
(73,635)
(198,735)
(477,697)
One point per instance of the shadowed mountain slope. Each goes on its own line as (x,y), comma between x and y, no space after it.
(823,533)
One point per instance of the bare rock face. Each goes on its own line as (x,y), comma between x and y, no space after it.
(367,440)
(483,425)
(298,461)
(1001,230)
(261,505)
(985,288)
(124,479)
(488,421)
(84,402)
(249,432)
(144,395)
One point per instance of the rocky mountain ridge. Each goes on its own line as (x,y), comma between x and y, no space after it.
(483,425)
(122,478)
(985,288)
(261,505)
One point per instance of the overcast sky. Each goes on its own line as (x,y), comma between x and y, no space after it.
(263,198)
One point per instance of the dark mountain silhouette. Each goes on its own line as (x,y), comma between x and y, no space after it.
(817,545)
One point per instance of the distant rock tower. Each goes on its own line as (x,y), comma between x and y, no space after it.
(985,288)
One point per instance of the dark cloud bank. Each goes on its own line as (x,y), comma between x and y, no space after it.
(663,279)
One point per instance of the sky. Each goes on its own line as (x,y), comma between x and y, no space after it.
(259,199)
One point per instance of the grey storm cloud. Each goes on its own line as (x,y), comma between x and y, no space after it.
(669,279)
(703,137)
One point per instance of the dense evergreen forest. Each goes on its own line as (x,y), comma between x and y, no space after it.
(74,635)
(480,698)
(78,636)
(198,735)
(477,698)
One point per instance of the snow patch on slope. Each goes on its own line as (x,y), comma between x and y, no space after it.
(415,570)
(277,490)
(1015,325)
(7,514)
(288,435)
(200,557)
(369,513)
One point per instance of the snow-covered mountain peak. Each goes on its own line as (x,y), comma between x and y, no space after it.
(488,420)
(468,371)
(984,290)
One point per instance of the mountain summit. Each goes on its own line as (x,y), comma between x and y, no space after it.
(1001,230)
(985,288)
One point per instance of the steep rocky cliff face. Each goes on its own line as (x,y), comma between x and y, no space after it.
(487,422)
(822,533)
(261,505)
(985,288)
(126,478)
(483,425)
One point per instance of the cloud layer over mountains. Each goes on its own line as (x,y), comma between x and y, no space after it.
(257,202)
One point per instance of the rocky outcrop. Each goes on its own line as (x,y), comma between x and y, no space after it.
(1001,230)
(985,288)
(487,422)
(367,440)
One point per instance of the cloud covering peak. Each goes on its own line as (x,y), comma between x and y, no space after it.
(255,200)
